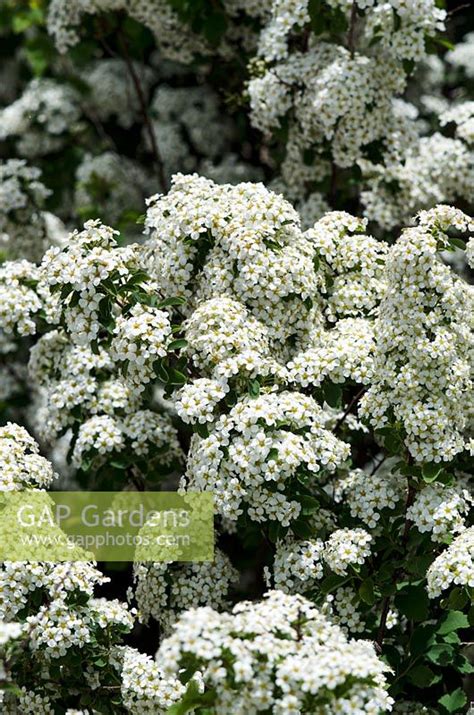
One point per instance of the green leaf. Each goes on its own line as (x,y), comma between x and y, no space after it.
(302,529)
(431,471)
(458,243)
(453,621)
(309,504)
(457,599)
(254,388)
(171,301)
(332,394)
(422,676)
(176,377)
(413,602)
(192,699)
(178,344)
(441,654)
(454,701)
(366,591)
(422,638)
(274,531)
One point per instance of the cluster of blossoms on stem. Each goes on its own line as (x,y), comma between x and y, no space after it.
(42,117)
(111,93)
(280,654)
(145,689)
(440,510)
(368,495)
(431,170)
(345,548)
(65,18)
(342,608)
(21,465)
(111,185)
(255,453)
(297,565)
(454,566)
(424,340)
(25,229)
(163,591)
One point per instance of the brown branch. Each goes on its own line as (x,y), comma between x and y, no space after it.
(386,602)
(349,407)
(144,110)
(352,26)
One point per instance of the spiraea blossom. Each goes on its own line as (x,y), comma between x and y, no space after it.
(454,566)
(284,656)
(239,261)
(254,454)
(424,343)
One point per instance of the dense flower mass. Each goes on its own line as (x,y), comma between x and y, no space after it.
(254,454)
(236,258)
(285,656)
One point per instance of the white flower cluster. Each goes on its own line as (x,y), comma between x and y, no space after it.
(111,92)
(140,338)
(454,566)
(9,632)
(462,115)
(111,185)
(242,242)
(297,565)
(90,258)
(144,687)
(338,100)
(71,378)
(189,123)
(285,656)
(163,591)
(197,401)
(462,56)
(368,495)
(174,40)
(344,352)
(46,112)
(440,510)
(345,548)
(255,452)
(57,627)
(19,303)
(424,342)
(23,226)
(21,465)
(342,608)
(18,580)
(433,169)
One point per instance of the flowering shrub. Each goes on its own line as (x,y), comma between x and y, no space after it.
(236,254)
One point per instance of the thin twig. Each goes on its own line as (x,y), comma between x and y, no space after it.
(377,466)
(386,601)
(349,407)
(352,25)
(144,109)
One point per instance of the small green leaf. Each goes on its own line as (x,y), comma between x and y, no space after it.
(458,243)
(441,654)
(421,675)
(431,471)
(171,301)
(454,701)
(366,591)
(254,388)
(412,602)
(332,394)
(178,344)
(453,621)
